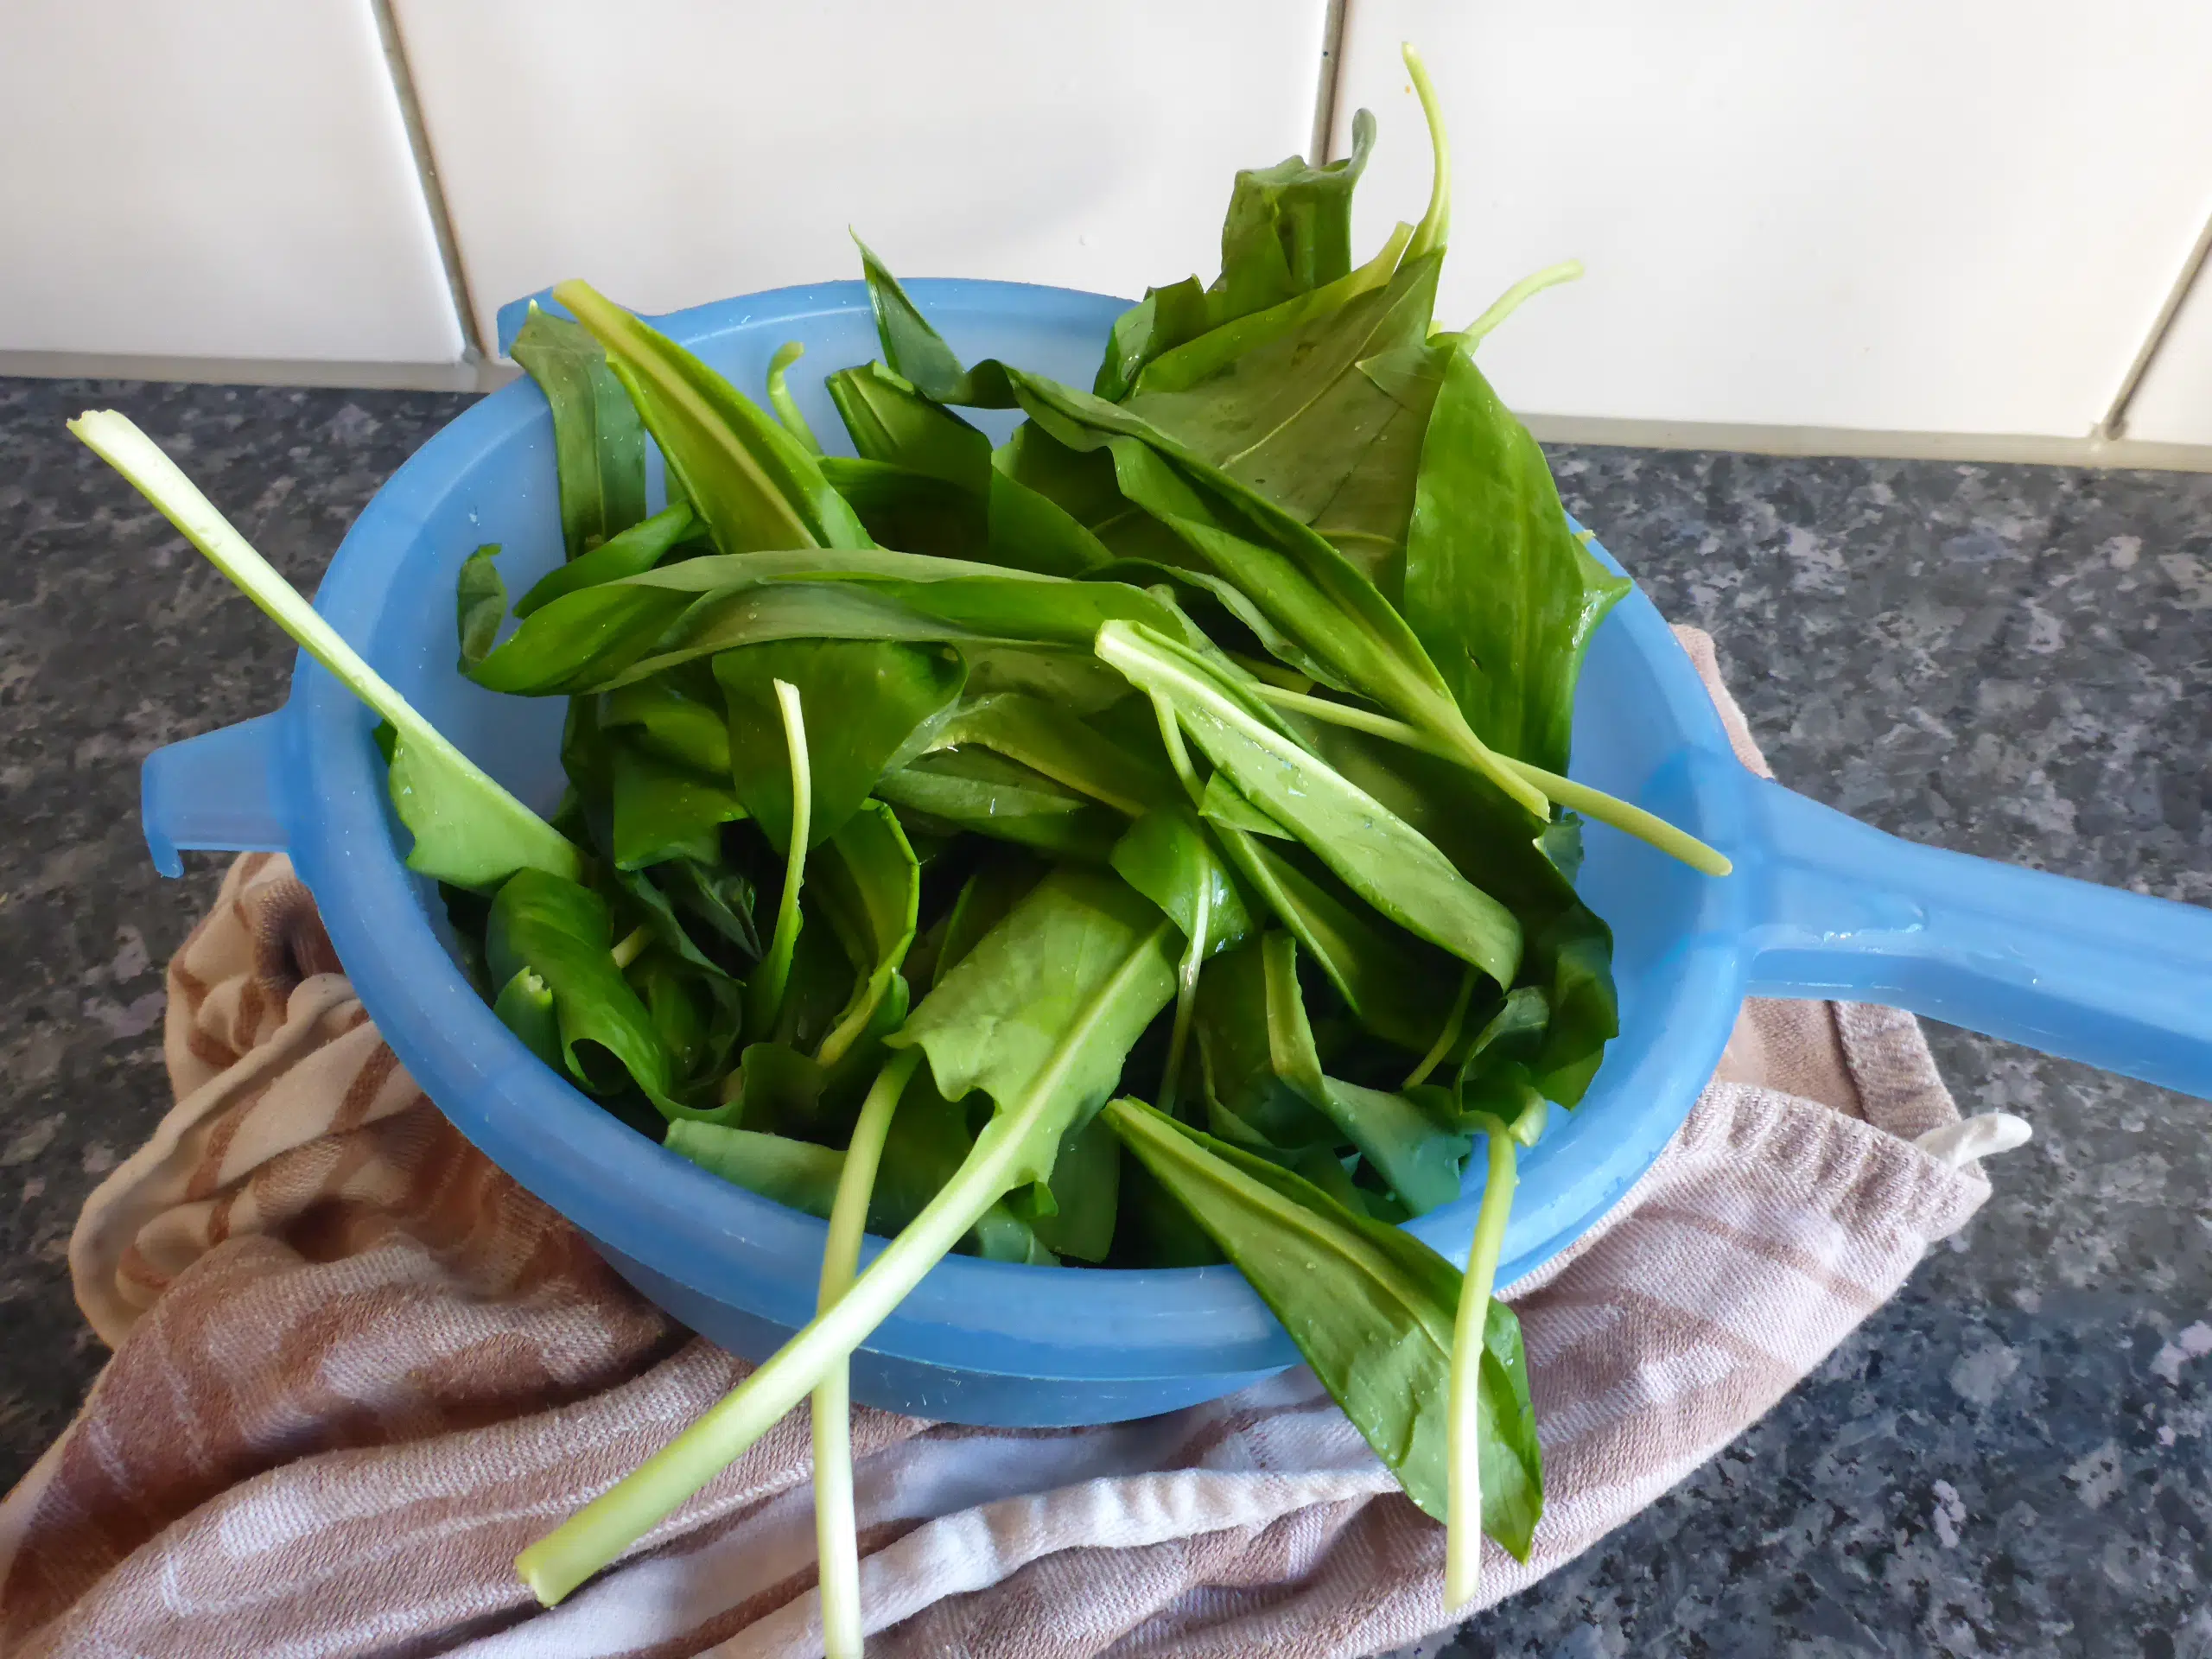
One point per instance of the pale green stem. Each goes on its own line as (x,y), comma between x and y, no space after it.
(1435,227)
(836,1540)
(1463,1526)
(1186,991)
(1509,301)
(775,969)
(610,1523)
(780,398)
(1591,803)
(118,442)
(1446,1037)
(628,949)
(1171,739)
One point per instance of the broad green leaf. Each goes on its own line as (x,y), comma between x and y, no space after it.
(1307,588)
(1042,1013)
(929,1141)
(1248,1100)
(480,605)
(659,913)
(977,790)
(864,701)
(629,553)
(1371,1308)
(563,934)
(524,1006)
(1420,1159)
(797,1174)
(911,510)
(754,483)
(1372,850)
(1288,228)
(1166,857)
(680,715)
(1399,987)
(985,899)
(916,353)
(663,811)
(1500,591)
(1225,804)
(722,899)
(1049,740)
(1086,1193)
(599,445)
(1155,325)
(869,883)
(890,422)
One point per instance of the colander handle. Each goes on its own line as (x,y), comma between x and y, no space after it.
(214,792)
(1843,910)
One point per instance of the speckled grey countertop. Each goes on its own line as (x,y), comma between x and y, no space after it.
(2014,1457)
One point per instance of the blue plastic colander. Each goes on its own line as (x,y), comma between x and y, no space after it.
(1820,907)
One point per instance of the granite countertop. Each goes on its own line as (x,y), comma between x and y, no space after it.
(2013,1457)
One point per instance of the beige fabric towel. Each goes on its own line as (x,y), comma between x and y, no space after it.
(357,1368)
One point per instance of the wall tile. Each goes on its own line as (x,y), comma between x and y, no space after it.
(706,148)
(1918,215)
(2174,402)
(225,178)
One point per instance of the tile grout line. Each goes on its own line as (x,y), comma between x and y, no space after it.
(426,172)
(1332,71)
(2114,423)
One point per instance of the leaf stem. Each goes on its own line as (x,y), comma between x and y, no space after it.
(1186,990)
(628,949)
(1591,803)
(1463,1527)
(117,440)
(775,969)
(1512,300)
(785,405)
(1435,227)
(1001,1156)
(836,1540)
(1179,757)
(1446,1037)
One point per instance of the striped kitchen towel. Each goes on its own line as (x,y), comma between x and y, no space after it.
(357,1368)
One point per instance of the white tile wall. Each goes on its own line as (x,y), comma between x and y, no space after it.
(2173,404)
(224,179)
(1931,215)
(705,148)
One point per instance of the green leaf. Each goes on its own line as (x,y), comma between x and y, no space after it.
(889,422)
(468,831)
(1288,228)
(680,716)
(1420,1159)
(1398,987)
(928,1143)
(1086,1189)
(780,399)
(721,899)
(1166,857)
(911,510)
(524,1006)
(599,445)
(865,700)
(987,897)
(1500,591)
(1040,1015)
(480,605)
(797,1174)
(1371,1308)
(561,932)
(916,352)
(1225,804)
(1248,1100)
(754,483)
(975,790)
(629,553)
(1373,851)
(869,883)
(1307,588)
(1155,325)
(1051,740)
(663,811)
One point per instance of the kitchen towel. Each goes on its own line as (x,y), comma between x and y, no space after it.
(357,1368)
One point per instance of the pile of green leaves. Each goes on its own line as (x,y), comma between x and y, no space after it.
(1198,745)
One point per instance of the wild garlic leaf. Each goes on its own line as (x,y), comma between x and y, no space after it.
(869,885)
(480,605)
(1371,1308)
(598,444)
